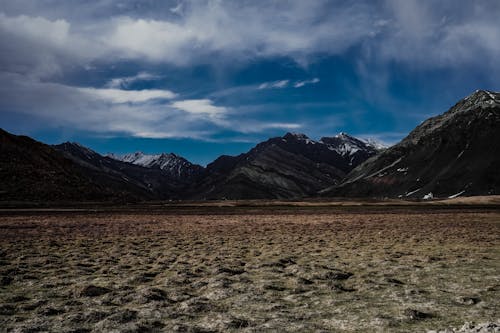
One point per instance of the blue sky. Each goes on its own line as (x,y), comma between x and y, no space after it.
(205,78)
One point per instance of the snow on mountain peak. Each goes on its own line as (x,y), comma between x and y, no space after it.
(375,143)
(347,145)
(479,99)
(169,162)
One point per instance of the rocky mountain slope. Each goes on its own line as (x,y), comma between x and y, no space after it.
(152,183)
(291,166)
(456,153)
(31,171)
(176,167)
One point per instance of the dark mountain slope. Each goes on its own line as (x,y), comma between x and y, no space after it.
(151,183)
(291,166)
(456,153)
(33,171)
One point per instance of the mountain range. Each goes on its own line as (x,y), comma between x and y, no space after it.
(456,153)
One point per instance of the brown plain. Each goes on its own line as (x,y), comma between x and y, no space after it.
(296,268)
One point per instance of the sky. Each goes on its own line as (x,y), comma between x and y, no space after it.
(205,78)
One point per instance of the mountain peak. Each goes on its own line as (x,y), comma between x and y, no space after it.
(479,99)
(75,146)
(295,136)
(169,162)
(343,135)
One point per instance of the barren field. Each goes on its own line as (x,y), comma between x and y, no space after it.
(251,270)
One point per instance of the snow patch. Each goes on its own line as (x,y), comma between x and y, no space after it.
(456,195)
(385,168)
(428,196)
(412,192)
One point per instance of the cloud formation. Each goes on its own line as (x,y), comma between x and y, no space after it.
(125,82)
(199,106)
(299,84)
(430,33)
(46,45)
(274,85)
(128,96)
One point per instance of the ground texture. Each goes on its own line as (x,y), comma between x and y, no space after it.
(324,270)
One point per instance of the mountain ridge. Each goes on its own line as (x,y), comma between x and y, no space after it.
(454,152)
(174,165)
(290,166)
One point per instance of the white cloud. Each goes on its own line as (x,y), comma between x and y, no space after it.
(299,84)
(430,33)
(128,96)
(280,126)
(98,110)
(203,29)
(286,83)
(54,32)
(253,126)
(199,106)
(119,112)
(274,85)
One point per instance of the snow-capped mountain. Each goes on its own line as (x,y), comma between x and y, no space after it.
(353,149)
(344,144)
(176,166)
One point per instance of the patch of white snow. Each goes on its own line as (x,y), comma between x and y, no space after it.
(456,195)
(428,196)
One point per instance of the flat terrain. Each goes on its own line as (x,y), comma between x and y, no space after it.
(296,268)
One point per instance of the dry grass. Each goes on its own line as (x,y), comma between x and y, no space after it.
(297,272)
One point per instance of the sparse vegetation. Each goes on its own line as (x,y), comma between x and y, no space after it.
(287,270)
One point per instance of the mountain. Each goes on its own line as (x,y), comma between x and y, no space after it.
(31,171)
(353,150)
(456,153)
(291,166)
(171,164)
(152,183)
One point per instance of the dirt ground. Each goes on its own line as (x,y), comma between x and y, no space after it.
(260,270)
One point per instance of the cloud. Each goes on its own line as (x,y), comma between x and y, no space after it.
(278,126)
(250,126)
(299,84)
(429,33)
(199,106)
(114,112)
(107,111)
(205,28)
(52,32)
(125,82)
(128,96)
(274,85)
(286,83)
(46,45)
